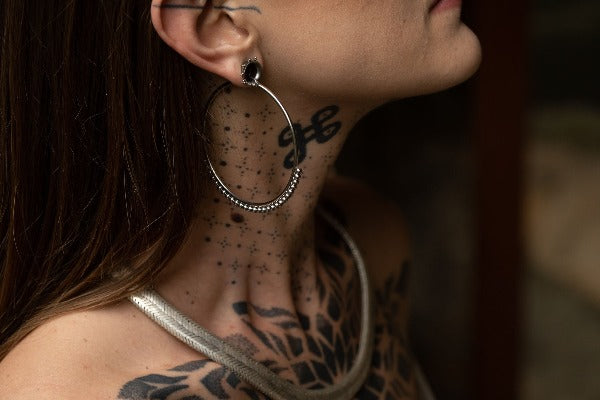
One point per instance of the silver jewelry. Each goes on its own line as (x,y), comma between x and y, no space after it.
(251,72)
(250,370)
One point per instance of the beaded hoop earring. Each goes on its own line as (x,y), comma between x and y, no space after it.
(251,73)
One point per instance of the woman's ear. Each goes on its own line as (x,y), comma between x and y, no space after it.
(216,37)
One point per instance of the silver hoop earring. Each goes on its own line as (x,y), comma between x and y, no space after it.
(251,72)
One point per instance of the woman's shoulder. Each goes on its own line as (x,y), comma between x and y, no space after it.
(68,357)
(98,354)
(377,225)
(375,222)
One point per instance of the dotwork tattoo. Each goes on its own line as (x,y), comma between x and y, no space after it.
(209,5)
(317,131)
(313,351)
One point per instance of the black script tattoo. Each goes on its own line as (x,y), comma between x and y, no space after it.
(317,131)
(209,5)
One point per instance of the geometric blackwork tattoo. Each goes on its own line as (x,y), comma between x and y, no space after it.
(310,351)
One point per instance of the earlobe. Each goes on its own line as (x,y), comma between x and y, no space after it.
(209,36)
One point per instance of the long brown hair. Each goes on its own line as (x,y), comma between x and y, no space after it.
(100,166)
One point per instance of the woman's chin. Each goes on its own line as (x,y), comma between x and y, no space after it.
(455,69)
(469,59)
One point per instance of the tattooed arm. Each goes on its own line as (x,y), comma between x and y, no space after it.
(378,227)
(375,222)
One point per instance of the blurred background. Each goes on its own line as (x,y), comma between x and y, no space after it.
(499,180)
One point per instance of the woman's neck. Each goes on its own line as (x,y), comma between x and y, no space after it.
(232,255)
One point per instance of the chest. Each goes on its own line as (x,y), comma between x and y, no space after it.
(313,350)
(308,361)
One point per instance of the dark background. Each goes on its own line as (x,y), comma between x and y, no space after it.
(499,180)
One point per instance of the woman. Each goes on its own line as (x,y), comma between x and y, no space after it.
(105,194)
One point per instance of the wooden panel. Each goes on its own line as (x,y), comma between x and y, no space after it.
(499,111)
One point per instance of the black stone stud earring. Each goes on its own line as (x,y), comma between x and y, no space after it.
(251,71)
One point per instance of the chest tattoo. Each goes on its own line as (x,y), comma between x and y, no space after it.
(311,351)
